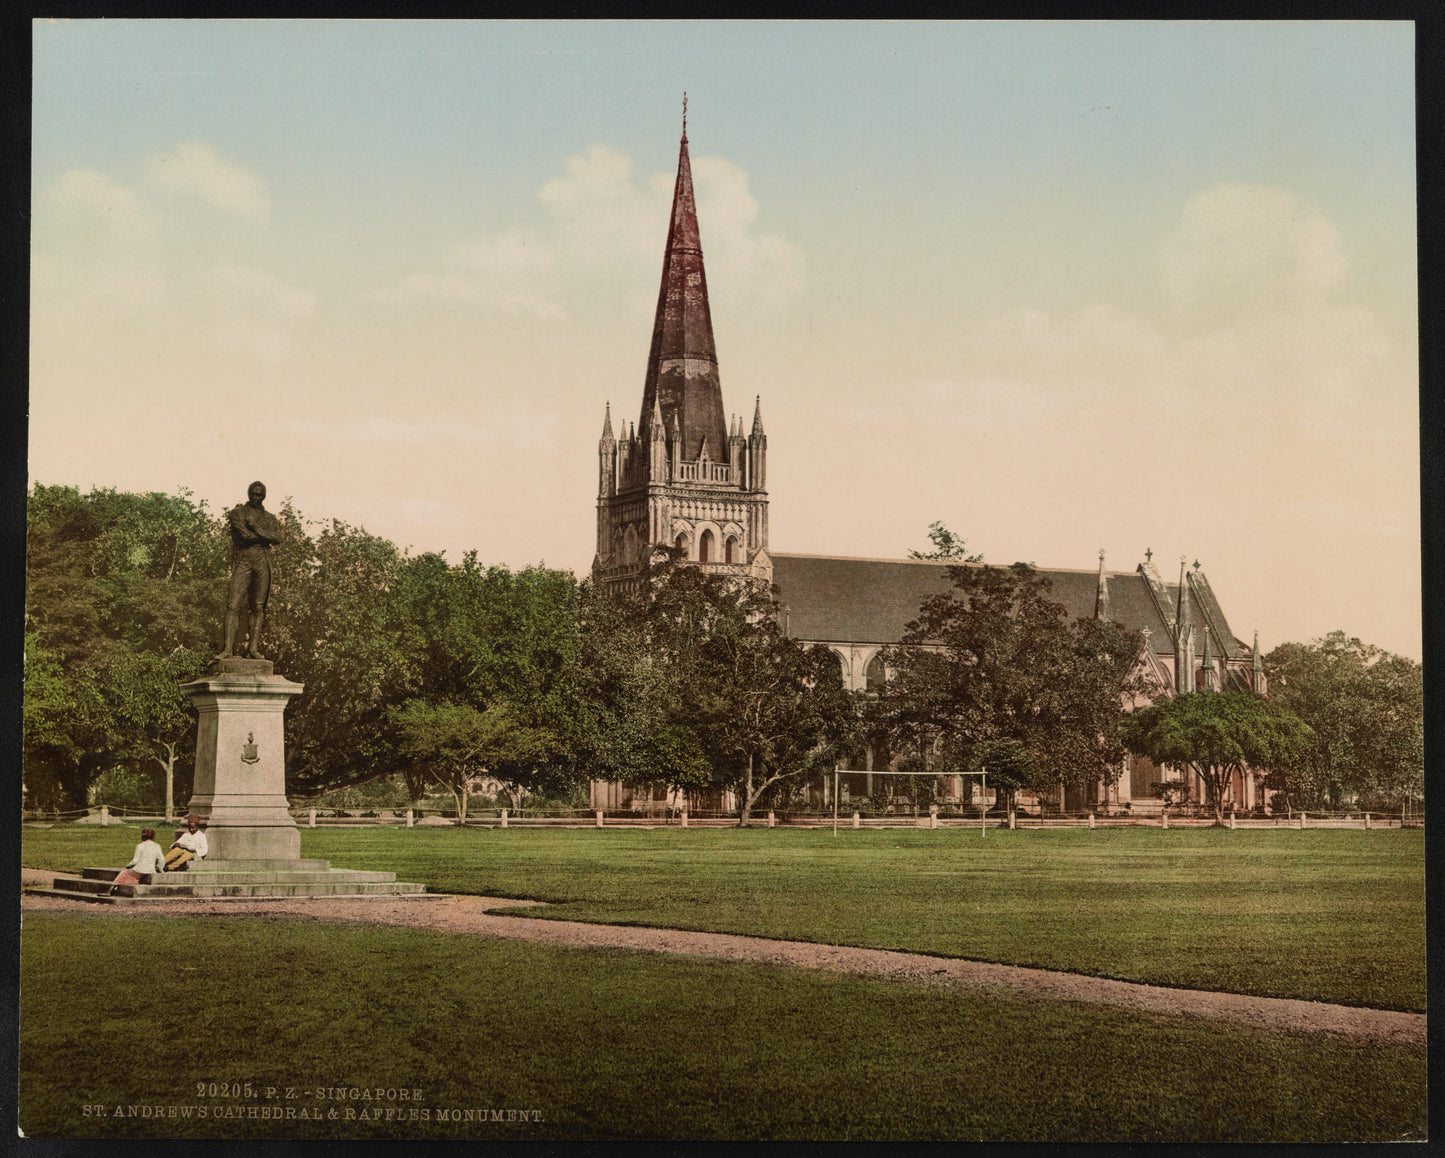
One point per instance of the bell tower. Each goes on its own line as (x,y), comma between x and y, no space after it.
(686,475)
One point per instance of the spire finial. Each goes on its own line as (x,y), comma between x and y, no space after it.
(1148,554)
(684,115)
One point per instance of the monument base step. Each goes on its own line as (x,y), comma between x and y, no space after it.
(257,879)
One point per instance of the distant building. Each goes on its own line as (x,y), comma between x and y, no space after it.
(687,475)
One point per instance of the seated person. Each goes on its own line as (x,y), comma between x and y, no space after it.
(190,844)
(147,858)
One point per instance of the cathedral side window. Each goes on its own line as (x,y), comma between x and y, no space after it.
(874,675)
(730,550)
(704,547)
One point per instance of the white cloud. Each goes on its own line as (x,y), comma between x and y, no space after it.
(1255,349)
(1246,247)
(1354,519)
(605,229)
(763,269)
(97,193)
(101,243)
(93,244)
(509,272)
(258,311)
(195,169)
(515,426)
(979,405)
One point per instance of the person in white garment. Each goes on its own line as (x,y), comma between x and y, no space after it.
(148,858)
(190,844)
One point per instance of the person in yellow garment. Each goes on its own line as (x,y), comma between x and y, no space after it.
(190,844)
(147,858)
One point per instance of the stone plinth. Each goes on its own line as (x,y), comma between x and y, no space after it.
(240,785)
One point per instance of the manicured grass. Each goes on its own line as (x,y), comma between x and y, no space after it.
(138,1012)
(1325,915)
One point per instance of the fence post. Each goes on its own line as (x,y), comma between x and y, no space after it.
(933,816)
(1302,821)
(1012,819)
(770,818)
(1091,820)
(855,820)
(311,818)
(504,818)
(684,818)
(599,818)
(1231,818)
(410,818)
(1367,820)
(1163,819)
(104,815)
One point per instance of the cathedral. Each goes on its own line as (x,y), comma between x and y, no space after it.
(688,476)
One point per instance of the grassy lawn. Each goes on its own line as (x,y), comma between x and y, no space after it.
(140,1012)
(1324,915)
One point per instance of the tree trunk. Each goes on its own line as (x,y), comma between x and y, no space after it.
(747,807)
(169,764)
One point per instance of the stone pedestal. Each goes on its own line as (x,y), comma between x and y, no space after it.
(240,786)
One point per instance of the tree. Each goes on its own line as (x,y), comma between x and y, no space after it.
(67,731)
(111,578)
(632,716)
(1217,734)
(763,707)
(453,743)
(995,667)
(946,546)
(334,625)
(144,694)
(1366,709)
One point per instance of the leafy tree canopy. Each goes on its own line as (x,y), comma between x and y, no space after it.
(1217,734)
(946,546)
(995,666)
(729,683)
(1366,709)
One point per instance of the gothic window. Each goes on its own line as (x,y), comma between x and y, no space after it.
(681,542)
(629,545)
(874,674)
(730,550)
(704,547)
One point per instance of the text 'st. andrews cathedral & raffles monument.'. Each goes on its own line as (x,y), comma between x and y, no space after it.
(686,476)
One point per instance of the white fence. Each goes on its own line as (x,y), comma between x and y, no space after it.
(581,818)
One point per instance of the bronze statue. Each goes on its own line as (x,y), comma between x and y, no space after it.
(253,530)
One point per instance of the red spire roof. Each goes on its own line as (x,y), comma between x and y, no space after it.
(682,366)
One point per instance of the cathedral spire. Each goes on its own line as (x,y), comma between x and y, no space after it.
(682,375)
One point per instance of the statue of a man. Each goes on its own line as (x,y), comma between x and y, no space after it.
(253,530)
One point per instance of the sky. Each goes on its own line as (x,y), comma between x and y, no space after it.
(1063,287)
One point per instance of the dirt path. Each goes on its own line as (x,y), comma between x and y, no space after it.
(468,915)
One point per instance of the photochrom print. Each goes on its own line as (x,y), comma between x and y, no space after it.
(723,580)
